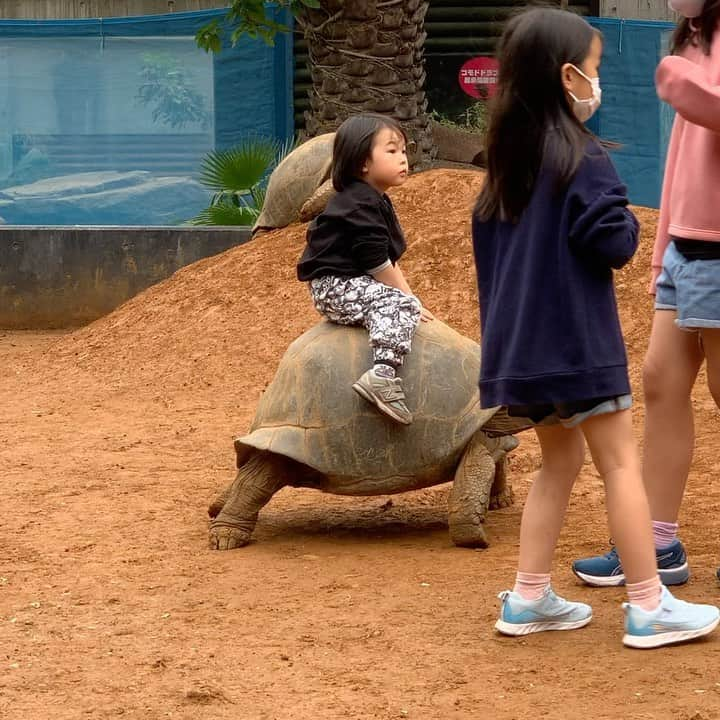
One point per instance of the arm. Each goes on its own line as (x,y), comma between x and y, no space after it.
(662,239)
(685,86)
(371,242)
(392,275)
(601,228)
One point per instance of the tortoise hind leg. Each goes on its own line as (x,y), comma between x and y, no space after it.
(501,494)
(470,495)
(257,481)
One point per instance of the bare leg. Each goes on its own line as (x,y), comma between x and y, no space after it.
(614,452)
(711,346)
(563,452)
(671,366)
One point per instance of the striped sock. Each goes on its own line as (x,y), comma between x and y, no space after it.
(645,594)
(531,586)
(664,533)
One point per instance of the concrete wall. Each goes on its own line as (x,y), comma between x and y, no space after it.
(54,9)
(55,277)
(637,10)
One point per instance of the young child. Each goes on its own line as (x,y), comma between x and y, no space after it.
(686,283)
(549,227)
(352,253)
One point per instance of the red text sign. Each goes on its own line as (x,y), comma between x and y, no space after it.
(478,77)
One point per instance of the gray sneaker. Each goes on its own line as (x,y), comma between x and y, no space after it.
(386,393)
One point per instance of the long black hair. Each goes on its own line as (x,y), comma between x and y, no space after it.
(531,121)
(353,145)
(706,24)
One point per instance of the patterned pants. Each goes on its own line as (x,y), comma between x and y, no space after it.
(389,315)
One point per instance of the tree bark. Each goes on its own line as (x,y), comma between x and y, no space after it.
(368,56)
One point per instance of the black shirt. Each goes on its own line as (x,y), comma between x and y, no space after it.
(358,231)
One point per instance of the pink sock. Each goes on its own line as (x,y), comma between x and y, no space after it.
(645,594)
(531,586)
(664,533)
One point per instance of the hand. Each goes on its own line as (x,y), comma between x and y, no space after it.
(426,315)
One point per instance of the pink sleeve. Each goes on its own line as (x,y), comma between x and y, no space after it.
(662,239)
(686,87)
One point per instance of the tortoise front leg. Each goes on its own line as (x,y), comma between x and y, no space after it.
(219,502)
(316,203)
(257,481)
(470,495)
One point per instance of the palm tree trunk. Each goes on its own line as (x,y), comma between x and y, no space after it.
(368,56)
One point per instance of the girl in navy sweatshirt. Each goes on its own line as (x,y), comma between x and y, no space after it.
(550,226)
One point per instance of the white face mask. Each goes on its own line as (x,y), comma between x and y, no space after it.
(585,109)
(687,8)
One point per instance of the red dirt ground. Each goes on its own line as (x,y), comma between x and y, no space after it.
(116,436)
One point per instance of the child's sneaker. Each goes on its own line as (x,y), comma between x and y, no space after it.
(522,617)
(386,393)
(672,621)
(605,570)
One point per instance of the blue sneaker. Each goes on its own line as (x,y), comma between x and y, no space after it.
(606,571)
(522,617)
(673,621)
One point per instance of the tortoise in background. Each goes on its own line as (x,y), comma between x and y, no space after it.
(311,430)
(300,185)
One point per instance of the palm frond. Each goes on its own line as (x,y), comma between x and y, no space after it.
(240,168)
(258,195)
(226,214)
(284,149)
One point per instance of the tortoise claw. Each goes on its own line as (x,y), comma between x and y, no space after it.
(469,535)
(223,537)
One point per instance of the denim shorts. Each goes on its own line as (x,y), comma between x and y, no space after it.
(570,414)
(692,288)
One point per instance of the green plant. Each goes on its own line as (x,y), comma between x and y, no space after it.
(251,18)
(169,87)
(239,178)
(473,119)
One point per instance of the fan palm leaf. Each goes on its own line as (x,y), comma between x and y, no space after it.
(224,213)
(240,168)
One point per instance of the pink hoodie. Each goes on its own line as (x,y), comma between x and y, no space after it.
(690,205)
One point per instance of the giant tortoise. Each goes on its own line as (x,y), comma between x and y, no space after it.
(311,430)
(300,185)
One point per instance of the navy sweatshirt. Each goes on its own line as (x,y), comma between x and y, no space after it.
(357,232)
(550,326)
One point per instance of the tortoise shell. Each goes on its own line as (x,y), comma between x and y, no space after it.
(311,414)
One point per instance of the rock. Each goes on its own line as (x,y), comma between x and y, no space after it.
(458,145)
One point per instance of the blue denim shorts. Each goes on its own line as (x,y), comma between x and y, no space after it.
(571,414)
(692,288)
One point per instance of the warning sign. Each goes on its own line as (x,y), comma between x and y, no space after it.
(478,77)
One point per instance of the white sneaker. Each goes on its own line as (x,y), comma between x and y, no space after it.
(672,621)
(522,617)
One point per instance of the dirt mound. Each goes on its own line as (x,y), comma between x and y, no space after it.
(226,320)
(115,438)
